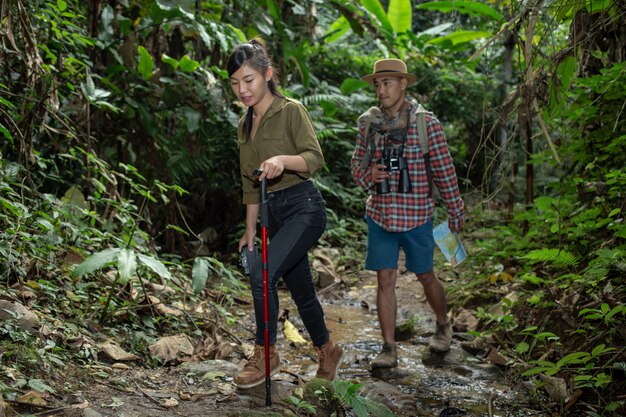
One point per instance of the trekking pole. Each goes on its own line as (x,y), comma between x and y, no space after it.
(264,226)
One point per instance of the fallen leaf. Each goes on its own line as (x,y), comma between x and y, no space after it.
(162,308)
(116,353)
(213,375)
(115,402)
(33,398)
(3,407)
(170,402)
(496,357)
(25,319)
(555,387)
(171,348)
(292,334)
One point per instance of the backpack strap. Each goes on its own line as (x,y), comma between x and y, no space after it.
(422,131)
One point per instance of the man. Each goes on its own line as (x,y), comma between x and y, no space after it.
(389,164)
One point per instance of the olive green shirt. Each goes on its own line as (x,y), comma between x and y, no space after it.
(285,129)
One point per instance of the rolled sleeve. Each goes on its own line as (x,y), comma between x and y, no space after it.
(444,174)
(361,174)
(304,137)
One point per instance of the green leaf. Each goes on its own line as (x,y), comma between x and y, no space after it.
(173,62)
(555,256)
(460,37)
(535,371)
(462,6)
(522,347)
(375,8)
(566,71)
(199,274)
(337,30)
(350,85)
(6,133)
(193,119)
(61,5)
(188,65)
(96,261)
(400,15)
(7,103)
(574,358)
(74,196)
(600,349)
(155,265)
(39,385)
(126,265)
(546,335)
(145,64)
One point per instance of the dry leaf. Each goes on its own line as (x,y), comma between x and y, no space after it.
(162,308)
(33,398)
(170,402)
(496,357)
(555,387)
(116,353)
(465,321)
(292,334)
(171,347)
(26,319)
(3,407)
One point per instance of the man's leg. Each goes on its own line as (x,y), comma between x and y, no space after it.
(386,304)
(436,297)
(387,310)
(382,256)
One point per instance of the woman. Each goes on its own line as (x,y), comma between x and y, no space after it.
(277,137)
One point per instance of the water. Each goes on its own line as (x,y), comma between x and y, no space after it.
(424,384)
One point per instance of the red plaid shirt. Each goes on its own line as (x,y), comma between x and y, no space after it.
(398,212)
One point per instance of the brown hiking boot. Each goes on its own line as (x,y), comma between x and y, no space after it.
(387,358)
(253,373)
(440,341)
(329,360)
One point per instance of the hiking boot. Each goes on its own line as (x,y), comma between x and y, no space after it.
(387,358)
(253,373)
(329,356)
(440,341)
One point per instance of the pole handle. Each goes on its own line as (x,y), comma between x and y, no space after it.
(264,199)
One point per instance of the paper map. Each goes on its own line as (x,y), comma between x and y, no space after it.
(449,243)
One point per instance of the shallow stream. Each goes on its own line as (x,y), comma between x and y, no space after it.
(424,384)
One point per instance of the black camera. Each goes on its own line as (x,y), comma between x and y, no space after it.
(394,162)
(247,258)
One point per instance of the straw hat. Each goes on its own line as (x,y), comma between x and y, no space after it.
(391,67)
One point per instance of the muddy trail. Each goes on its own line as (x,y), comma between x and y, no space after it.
(459,382)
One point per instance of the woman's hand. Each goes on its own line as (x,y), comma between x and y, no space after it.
(272,168)
(247,240)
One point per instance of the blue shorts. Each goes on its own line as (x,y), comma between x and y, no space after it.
(383,248)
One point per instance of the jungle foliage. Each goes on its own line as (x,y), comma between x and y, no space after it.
(119,167)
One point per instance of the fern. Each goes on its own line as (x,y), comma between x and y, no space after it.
(557,257)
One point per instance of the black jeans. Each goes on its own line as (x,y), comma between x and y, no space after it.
(297,219)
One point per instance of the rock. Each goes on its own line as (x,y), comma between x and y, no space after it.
(90,412)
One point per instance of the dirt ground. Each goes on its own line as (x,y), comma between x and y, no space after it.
(207,388)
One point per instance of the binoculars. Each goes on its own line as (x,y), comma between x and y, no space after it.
(394,161)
